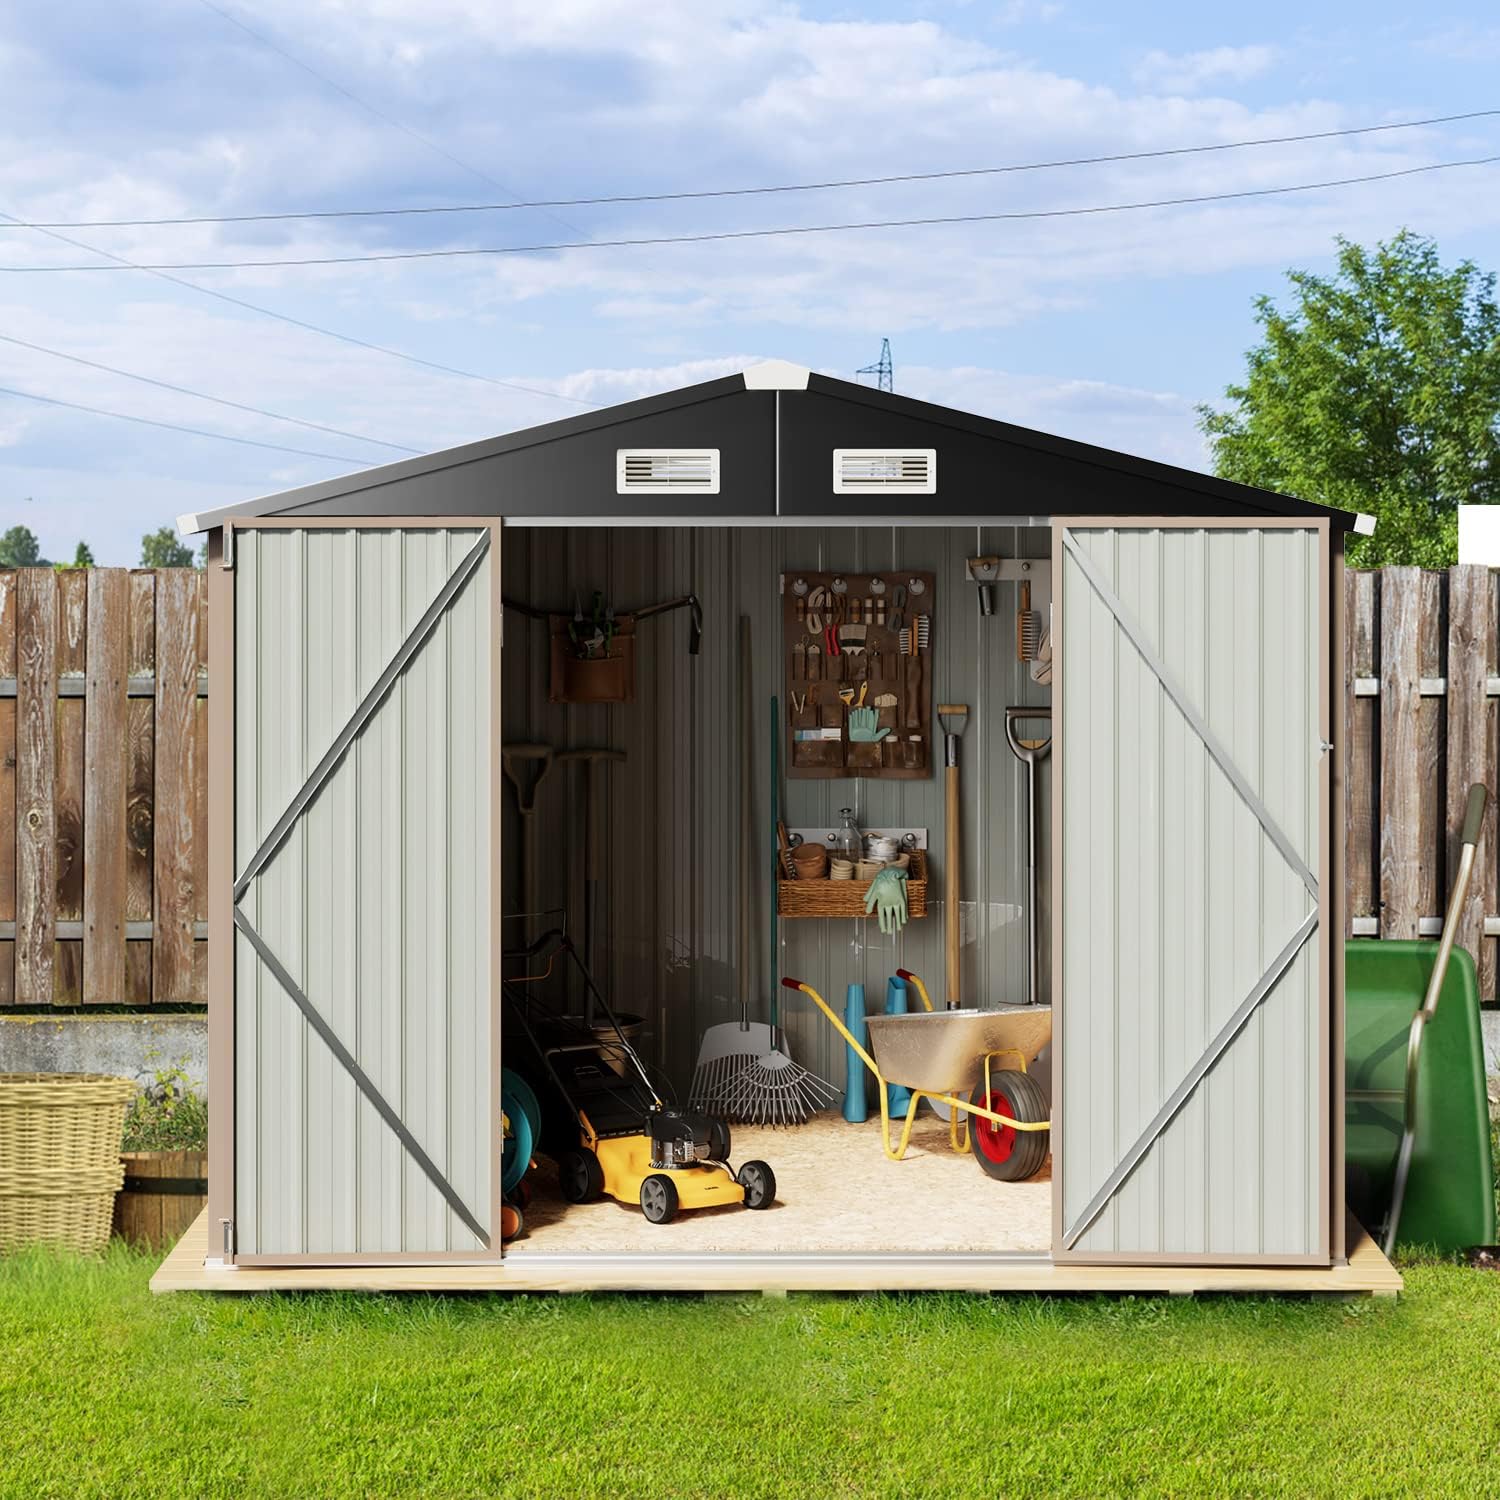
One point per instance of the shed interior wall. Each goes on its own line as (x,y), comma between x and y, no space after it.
(669,905)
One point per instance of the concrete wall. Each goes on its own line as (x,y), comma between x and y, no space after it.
(131,1046)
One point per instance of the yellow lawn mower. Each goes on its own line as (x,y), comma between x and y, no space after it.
(616,1136)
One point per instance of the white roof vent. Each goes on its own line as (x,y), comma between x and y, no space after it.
(884,471)
(666,471)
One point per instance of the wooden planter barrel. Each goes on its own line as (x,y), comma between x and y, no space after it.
(164,1191)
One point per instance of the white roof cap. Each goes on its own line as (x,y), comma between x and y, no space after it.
(776,375)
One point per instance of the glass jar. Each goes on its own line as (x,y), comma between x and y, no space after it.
(847,843)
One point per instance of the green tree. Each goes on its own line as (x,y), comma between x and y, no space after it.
(83,557)
(19,548)
(1377,390)
(162,549)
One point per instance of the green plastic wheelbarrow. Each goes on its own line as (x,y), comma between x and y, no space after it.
(1417,1140)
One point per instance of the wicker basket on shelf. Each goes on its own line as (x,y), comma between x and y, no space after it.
(60,1158)
(846,898)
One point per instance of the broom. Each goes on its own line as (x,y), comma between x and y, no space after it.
(773,1089)
(732,1046)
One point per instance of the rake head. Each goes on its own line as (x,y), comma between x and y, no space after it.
(726,1051)
(774,1090)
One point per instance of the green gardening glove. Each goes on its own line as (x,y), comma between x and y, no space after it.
(887,896)
(862,728)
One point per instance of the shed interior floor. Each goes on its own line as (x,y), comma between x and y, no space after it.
(836,1192)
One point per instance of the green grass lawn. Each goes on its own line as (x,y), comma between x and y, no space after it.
(105,1390)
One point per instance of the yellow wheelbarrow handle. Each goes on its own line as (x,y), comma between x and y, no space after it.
(895,1153)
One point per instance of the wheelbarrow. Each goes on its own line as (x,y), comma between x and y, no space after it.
(1471,1191)
(949,1057)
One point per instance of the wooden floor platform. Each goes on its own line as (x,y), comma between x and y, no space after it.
(1368,1272)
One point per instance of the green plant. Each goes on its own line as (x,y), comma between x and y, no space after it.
(167,1115)
(1374,389)
(162,549)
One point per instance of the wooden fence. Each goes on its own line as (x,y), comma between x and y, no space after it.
(103,787)
(1422,679)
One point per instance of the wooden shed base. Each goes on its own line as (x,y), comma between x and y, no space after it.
(1367,1273)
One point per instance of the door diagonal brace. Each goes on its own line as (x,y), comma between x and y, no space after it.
(1185,706)
(1195,1075)
(362,1080)
(361,715)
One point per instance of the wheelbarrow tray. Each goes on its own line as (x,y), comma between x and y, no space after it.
(943,1051)
(1450,1198)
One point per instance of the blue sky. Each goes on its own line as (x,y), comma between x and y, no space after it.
(1108,328)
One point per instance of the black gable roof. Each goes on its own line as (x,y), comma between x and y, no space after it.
(776,449)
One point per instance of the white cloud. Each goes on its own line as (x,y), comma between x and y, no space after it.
(1192,72)
(1466,43)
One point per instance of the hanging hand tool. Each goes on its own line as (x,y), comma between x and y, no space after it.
(954,716)
(591,638)
(511,755)
(1029,752)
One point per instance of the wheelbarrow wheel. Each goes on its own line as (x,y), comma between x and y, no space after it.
(1005,1153)
(579,1175)
(659,1198)
(759,1183)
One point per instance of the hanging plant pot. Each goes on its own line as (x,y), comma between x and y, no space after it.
(606,677)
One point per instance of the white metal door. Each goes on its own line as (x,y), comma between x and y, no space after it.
(366,1113)
(1191,988)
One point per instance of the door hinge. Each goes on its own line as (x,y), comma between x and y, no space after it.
(227,557)
(228,1227)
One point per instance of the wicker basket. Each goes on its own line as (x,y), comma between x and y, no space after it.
(60,1158)
(846,898)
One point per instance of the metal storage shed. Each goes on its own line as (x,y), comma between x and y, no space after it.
(356,837)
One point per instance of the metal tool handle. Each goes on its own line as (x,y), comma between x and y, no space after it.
(952,891)
(1019,748)
(1473,823)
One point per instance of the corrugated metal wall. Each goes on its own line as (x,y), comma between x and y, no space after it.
(668,948)
(1177,901)
(378,902)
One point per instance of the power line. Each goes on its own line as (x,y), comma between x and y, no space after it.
(183,390)
(746,192)
(343,338)
(371,109)
(223,437)
(756,234)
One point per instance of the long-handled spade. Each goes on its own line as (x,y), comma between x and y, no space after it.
(953,716)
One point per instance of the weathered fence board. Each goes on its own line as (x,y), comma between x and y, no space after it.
(107,744)
(36,785)
(7,786)
(1401,742)
(85,762)
(176,785)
